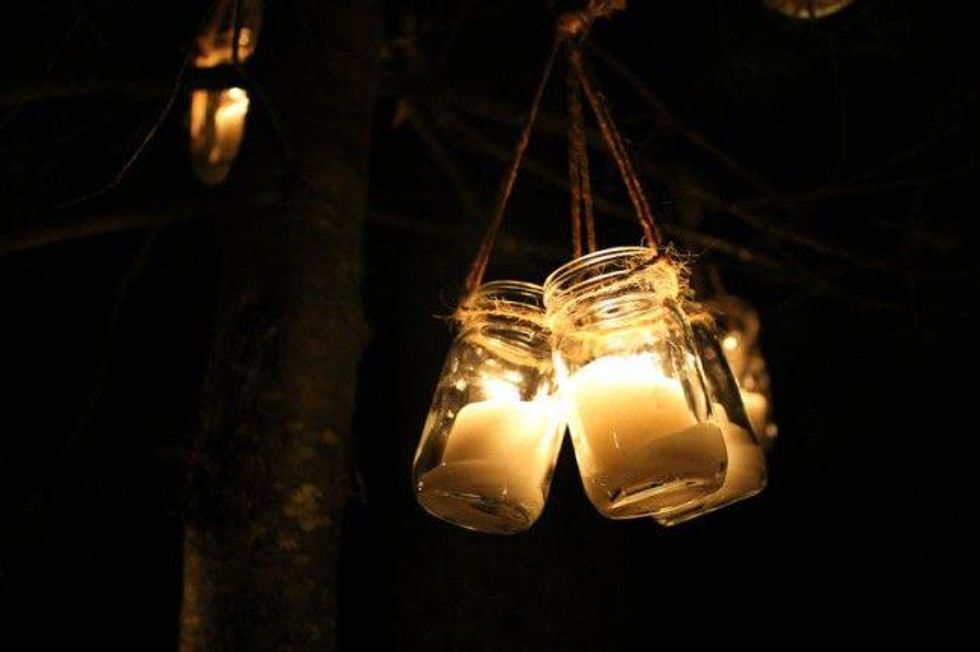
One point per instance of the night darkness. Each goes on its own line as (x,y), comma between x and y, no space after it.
(827,169)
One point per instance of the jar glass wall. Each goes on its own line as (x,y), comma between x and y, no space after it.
(489,444)
(637,405)
(738,326)
(746,472)
(217,127)
(216,41)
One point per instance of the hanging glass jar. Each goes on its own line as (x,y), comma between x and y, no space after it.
(738,324)
(216,41)
(217,127)
(490,441)
(637,406)
(746,472)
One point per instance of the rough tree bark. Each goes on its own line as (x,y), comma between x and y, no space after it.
(268,478)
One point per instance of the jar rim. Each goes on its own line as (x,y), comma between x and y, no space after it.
(518,299)
(558,284)
(522,293)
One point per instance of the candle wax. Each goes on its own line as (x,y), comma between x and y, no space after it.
(497,459)
(640,448)
(744,477)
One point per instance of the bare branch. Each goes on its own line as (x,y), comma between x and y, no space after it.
(481,143)
(45,229)
(694,137)
(444,159)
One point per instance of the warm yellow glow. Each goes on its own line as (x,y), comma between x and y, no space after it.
(808,9)
(630,398)
(730,343)
(756,406)
(495,429)
(733,345)
(217,127)
(744,477)
(215,43)
(500,389)
(639,445)
(499,449)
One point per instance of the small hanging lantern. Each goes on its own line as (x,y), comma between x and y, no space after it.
(656,417)
(738,323)
(217,127)
(217,117)
(746,472)
(216,41)
(638,409)
(493,432)
(808,9)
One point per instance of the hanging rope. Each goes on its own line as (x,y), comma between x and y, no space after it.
(580,186)
(571,29)
(479,265)
(616,146)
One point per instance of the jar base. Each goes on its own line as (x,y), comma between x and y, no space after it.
(651,499)
(687,513)
(734,491)
(483,496)
(745,478)
(476,512)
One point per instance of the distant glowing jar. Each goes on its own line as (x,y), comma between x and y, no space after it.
(738,324)
(808,9)
(217,127)
(746,473)
(490,441)
(216,41)
(638,410)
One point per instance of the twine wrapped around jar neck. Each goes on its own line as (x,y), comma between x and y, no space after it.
(505,315)
(613,285)
(513,299)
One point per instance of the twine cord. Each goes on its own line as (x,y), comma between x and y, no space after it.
(617,147)
(479,266)
(571,29)
(580,187)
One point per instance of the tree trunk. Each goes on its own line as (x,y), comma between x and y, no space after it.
(268,476)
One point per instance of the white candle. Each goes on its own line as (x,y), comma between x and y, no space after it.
(639,447)
(498,456)
(744,477)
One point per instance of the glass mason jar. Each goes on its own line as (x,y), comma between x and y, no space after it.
(216,40)
(746,472)
(217,127)
(489,444)
(738,324)
(637,406)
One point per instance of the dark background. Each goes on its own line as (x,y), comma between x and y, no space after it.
(846,221)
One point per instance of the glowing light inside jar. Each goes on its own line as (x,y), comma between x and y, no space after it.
(808,9)
(639,445)
(216,41)
(500,450)
(217,127)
